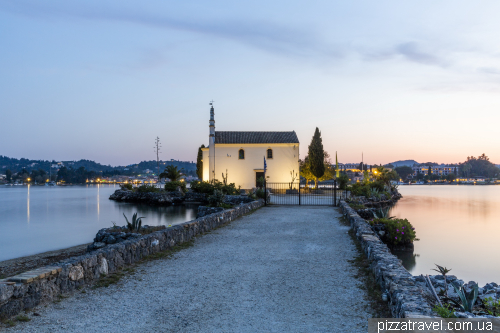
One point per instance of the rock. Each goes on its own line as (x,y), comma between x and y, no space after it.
(490,286)
(463,314)
(204,210)
(76,273)
(6,292)
(450,278)
(110,239)
(103,266)
(155,243)
(98,245)
(381,233)
(237,199)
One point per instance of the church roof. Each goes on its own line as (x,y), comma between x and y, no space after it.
(255,137)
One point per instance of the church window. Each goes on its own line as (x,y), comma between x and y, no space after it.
(269,153)
(241,154)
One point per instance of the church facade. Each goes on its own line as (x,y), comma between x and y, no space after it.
(240,156)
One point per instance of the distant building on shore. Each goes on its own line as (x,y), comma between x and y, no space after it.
(440,170)
(239,156)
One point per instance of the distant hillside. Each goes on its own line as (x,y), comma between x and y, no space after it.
(409,163)
(16,165)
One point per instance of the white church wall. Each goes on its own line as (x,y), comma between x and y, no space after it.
(243,172)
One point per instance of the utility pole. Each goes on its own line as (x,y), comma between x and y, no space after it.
(157,148)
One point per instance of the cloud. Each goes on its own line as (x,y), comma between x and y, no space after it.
(410,51)
(295,42)
(489,70)
(261,34)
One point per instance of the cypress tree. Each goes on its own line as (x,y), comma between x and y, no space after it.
(429,171)
(317,156)
(199,163)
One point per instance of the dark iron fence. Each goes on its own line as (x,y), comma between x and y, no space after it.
(298,194)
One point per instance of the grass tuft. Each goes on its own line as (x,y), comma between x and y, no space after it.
(23,318)
(8,322)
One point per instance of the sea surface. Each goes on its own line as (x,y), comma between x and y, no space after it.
(458,227)
(36,219)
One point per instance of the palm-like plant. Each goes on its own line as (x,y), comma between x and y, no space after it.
(467,298)
(443,271)
(136,223)
(171,172)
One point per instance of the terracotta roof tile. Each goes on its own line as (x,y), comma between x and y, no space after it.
(256,137)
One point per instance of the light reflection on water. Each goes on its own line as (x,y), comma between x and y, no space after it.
(36,219)
(458,227)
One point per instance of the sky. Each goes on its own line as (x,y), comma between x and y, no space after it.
(391,80)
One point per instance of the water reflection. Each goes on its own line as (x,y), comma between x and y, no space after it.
(409,259)
(64,216)
(28,205)
(98,212)
(458,227)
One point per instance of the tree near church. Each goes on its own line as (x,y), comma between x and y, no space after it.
(8,175)
(316,157)
(171,172)
(199,163)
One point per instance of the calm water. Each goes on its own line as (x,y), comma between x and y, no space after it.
(37,219)
(458,227)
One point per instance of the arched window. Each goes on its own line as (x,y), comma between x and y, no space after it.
(269,153)
(241,154)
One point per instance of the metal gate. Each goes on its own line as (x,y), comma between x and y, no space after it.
(298,194)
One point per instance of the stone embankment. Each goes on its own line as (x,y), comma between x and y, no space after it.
(158,198)
(407,299)
(29,289)
(171,198)
(409,296)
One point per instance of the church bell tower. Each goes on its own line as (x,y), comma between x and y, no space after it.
(211,144)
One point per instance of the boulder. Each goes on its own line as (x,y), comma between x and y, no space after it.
(76,273)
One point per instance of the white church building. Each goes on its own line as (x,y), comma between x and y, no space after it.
(241,156)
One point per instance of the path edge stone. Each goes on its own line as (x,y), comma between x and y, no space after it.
(406,298)
(29,289)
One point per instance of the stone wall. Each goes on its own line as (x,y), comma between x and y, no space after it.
(407,299)
(29,289)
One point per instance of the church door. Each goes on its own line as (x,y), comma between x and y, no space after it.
(257,176)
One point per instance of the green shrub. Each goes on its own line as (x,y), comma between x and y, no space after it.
(208,188)
(216,199)
(379,185)
(147,188)
(445,311)
(127,187)
(202,187)
(397,231)
(260,193)
(492,306)
(172,186)
(357,206)
(360,189)
(229,189)
(342,181)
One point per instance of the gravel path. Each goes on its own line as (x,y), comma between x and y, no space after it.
(280,269)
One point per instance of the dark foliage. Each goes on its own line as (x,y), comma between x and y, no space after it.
(199,163)
(316,155)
